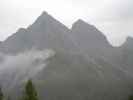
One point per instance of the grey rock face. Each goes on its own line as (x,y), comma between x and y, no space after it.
(90,39)
(44,33)
(85,66)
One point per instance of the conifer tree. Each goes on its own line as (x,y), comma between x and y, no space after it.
(8,98)
(1,94)
(130,97)
(30,93)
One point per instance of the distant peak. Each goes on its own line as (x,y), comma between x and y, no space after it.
(128,42)
(80,23)
(47,20)
(44,18)
(44,13)
(21,30)
(129,39)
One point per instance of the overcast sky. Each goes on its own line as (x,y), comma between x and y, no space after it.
(113,17)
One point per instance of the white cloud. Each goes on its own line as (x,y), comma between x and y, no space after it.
(24,65)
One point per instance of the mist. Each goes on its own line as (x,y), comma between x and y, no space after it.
(23,66)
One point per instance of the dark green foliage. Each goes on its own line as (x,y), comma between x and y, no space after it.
(1,94)
(130,97)
(30,93)
(8,98)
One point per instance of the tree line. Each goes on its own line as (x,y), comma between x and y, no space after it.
(30,92)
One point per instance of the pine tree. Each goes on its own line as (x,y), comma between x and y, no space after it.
(8,98)
(30,93)
(130,97)
(1,94)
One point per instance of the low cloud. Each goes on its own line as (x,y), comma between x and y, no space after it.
(23,66)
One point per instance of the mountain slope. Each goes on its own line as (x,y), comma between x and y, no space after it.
(44,33)
(85,66)
(125,55)
(71,76)
(90,39)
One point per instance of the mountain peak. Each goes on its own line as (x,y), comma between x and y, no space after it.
(128,42)
(46,21)
(89,38)
(88,29)
(129,39)
(43,18)
(81,23)
(44,14)
(21,30)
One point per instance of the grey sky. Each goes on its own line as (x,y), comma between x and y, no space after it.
(113,17)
